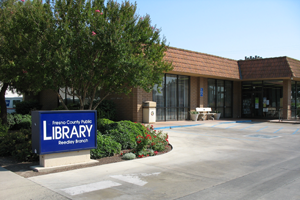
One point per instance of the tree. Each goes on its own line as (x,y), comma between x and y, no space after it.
(22,46)
(90,48)
(104,49)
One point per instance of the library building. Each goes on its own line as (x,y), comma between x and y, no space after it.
(261,88)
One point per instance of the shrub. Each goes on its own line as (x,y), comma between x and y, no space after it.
(129,156)
(106,146)
(151,140)
(3,129)
(125,133)
(18,121)
(102,124)
(10,120)
(25,107)
(18,145)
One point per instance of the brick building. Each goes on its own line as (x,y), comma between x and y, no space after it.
(254,88)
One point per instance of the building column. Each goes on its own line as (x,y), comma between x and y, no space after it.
(237,99)
(286,105)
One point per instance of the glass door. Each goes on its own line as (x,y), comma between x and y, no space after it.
(247,105)
(257,109)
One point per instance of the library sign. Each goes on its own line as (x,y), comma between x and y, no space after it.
(63,131)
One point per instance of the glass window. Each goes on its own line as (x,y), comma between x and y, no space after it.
(220,93)
(220,96)
(257,85)
(173,101)
(171,97)
(15,102)
(211,93)
(247,86)
(228,91)
(158,95)
(183,91)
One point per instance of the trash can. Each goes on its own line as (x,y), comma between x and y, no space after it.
(149,112)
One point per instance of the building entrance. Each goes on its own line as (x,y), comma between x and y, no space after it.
(252,104)
(262,99)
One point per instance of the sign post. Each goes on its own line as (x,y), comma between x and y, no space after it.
(64,137)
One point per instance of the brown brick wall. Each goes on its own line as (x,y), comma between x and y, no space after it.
(140,96)
(123,105)
(194,92)
(237,99)
(48,99)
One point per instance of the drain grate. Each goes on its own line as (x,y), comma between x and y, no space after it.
(263,136)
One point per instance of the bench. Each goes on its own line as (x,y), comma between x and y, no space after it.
(203,112)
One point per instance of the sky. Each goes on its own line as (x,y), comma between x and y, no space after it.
(228,28)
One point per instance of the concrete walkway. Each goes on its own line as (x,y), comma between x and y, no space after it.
(13,186)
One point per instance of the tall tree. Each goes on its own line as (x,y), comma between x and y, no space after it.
(23,27)
(104,49)
(92,48)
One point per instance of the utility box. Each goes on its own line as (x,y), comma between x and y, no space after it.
(149,112)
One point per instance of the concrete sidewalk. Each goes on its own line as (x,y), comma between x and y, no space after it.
(14,187)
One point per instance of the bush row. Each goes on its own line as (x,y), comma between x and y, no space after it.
(18,145)
(141,140)
(18,121)
(112,137)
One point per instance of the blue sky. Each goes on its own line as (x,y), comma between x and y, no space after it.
(231,29)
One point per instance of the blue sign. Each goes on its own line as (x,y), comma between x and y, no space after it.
(62,131)
(7,103)
(201,92)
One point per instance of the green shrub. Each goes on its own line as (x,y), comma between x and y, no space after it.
(106,146)
(18,121)
(129,156)
(18,145)
(25,107)
(151,140)
(102,124)
(10,120)
(124,132)
(3,129)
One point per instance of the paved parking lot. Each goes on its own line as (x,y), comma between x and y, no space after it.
(209,161)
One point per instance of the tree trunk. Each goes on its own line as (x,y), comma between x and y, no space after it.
(62,101)
(3,103)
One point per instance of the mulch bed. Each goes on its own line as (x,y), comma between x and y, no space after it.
(23,168)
